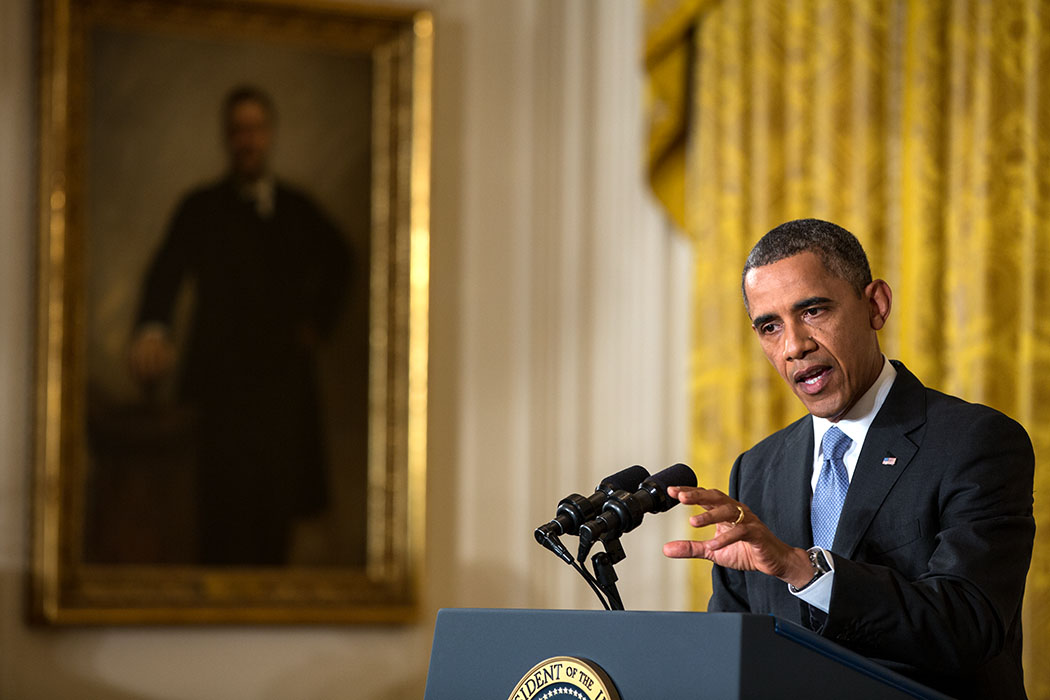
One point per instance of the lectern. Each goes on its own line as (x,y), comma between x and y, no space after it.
(650,656)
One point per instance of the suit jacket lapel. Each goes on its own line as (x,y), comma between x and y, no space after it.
(888,449)
(792,479)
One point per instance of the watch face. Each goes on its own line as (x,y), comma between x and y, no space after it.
(819,560)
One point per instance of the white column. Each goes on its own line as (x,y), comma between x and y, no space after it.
(574,302)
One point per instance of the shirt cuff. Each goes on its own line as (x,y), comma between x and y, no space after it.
(818,593)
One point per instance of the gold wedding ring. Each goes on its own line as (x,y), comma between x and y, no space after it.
(739,517)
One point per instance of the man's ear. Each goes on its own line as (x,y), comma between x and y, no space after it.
(880,299)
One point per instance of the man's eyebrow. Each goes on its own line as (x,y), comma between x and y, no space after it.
(762,320)
(811,301)
(759,321)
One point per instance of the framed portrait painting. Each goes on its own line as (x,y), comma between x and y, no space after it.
(232,312)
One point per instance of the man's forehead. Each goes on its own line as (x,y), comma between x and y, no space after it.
(249,110)
(784,275)
(791,283)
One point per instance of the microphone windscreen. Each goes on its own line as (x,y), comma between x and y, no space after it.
(627,479)
(675,475)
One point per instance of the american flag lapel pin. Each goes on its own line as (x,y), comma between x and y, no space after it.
(889,461)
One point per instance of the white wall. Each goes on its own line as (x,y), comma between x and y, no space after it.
(558,337)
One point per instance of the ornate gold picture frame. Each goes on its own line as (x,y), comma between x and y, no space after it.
(280,483)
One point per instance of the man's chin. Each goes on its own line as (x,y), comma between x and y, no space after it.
(249,171)
(822,406)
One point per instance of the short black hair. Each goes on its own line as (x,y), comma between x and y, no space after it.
(839,250)
(247,93)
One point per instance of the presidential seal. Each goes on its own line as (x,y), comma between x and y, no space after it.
(565,678)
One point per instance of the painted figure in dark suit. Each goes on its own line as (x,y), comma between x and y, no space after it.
(926,569)
(269,273)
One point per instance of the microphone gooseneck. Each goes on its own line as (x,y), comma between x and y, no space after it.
(617,505)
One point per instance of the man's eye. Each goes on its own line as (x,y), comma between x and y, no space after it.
(768,328)
(813,311)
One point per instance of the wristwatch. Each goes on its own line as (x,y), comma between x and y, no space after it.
(818,559)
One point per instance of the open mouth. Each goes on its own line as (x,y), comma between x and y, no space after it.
(812,380)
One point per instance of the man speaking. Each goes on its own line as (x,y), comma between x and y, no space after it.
(893,519)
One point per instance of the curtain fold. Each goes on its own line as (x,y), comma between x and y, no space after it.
(923,126)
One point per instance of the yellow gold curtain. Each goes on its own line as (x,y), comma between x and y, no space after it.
(923,126)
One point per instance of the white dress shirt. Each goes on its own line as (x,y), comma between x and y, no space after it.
(854,424)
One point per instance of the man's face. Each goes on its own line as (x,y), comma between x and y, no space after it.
(249,136)
(817,332)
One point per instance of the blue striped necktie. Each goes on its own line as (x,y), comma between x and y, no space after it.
(832,484)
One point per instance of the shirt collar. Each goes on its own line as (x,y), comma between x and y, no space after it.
(859,418)
(261,194)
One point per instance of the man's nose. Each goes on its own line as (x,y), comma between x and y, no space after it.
(798,341)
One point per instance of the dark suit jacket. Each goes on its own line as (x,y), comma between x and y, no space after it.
(931,552)
(259,284)
(265,289)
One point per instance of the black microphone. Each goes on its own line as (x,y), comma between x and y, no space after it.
(624,511)
(574,510)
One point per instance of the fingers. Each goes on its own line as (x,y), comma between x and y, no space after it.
(704,549)
(732,514)
(710,549)
(726,535)
(685,549)
(719,507)
(741,540)
(696,496)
